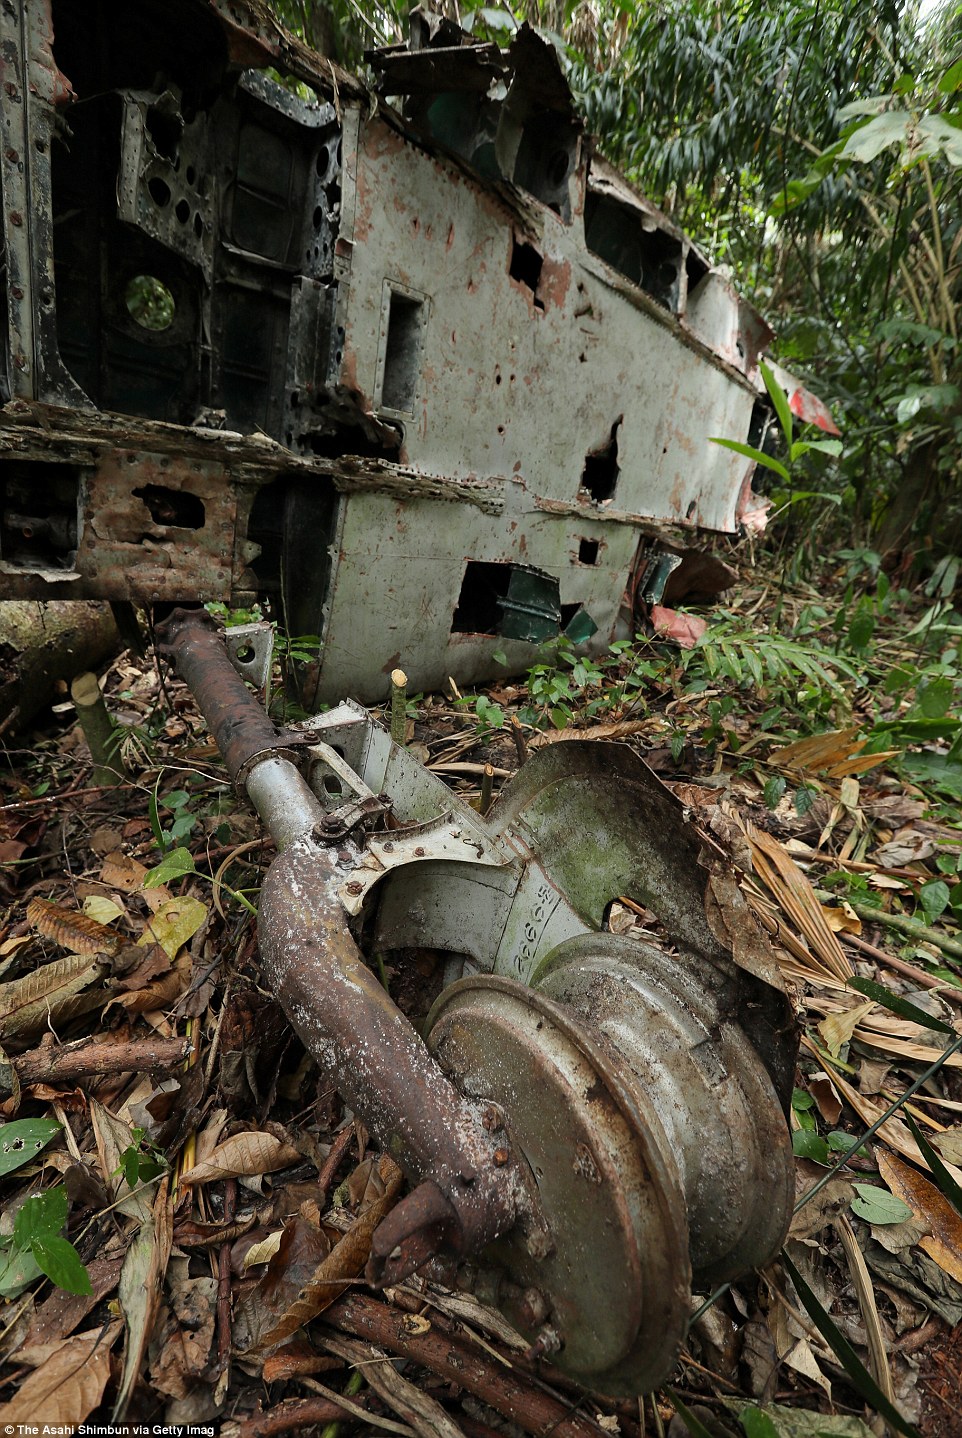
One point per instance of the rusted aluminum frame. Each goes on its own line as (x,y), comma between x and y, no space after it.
(468,1192)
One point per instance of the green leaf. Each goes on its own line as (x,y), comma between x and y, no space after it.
(778,398)
(935,699)
(871,137)
(861,629)
(841,1142)
(820,446)
(944,1181)
(870,105)
(774,790)
(172,866)
(934,898)
(60,1261)
(937,133)
(877,1205)
(23,1140)
(952,79)
(758,455)
(18,1269)
(804,799)
(757,1424)
(845,1353)
(41,1215)
(806,1144)
(897,1005)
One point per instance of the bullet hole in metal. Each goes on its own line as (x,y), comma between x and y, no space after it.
(599,478)
(175,508)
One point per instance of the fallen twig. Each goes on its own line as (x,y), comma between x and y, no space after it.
(914,928)
(65,1063)
(293,1414)
(459,1362)
(908,971)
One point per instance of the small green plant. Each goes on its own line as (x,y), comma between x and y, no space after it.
(796,448)
(141,1160)
(490,715)
(177,863)
(36,1247)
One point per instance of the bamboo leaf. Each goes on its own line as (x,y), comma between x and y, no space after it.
(862,1380)
(758,455)
(906,1010)
(780,401)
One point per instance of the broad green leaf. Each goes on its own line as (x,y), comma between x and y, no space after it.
(778,398)
(869,139)
(841,1142)
(806,1144)
(172,866)
(60,1261)
(18,1269)
(104,910)
(898,1005)
(952,79)
(861,629)
(41,1215)
(934,898)
(173,923)
(877,1205)
(774,790)
(804,799)
(23,1140)
(870,105)
(758,455)
(935,699)
(799,1422)
(757,1424)
(845,1353)
(938,134)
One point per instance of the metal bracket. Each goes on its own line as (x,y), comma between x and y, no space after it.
(250,648)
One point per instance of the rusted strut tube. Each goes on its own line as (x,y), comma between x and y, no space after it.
(469,1191)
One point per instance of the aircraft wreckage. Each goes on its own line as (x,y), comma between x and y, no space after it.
(416,366)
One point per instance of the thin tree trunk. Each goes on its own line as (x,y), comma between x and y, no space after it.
(41,643)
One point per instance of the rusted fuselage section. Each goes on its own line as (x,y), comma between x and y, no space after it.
(426,373)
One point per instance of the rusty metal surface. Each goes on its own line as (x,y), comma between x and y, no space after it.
(410,361)
(343,1015)
(239,725)
(592,1117)
(610,1258)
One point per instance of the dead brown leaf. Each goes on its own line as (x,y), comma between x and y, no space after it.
(72,930)
(244,1154)
(186,1341)
(794,893)
(943,1243)
(51,994)
(58,1315)
(69,1385)
(296,1359)
(837,1029)
(334,1274)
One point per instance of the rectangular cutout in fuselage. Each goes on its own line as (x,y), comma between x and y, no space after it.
(402,352)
